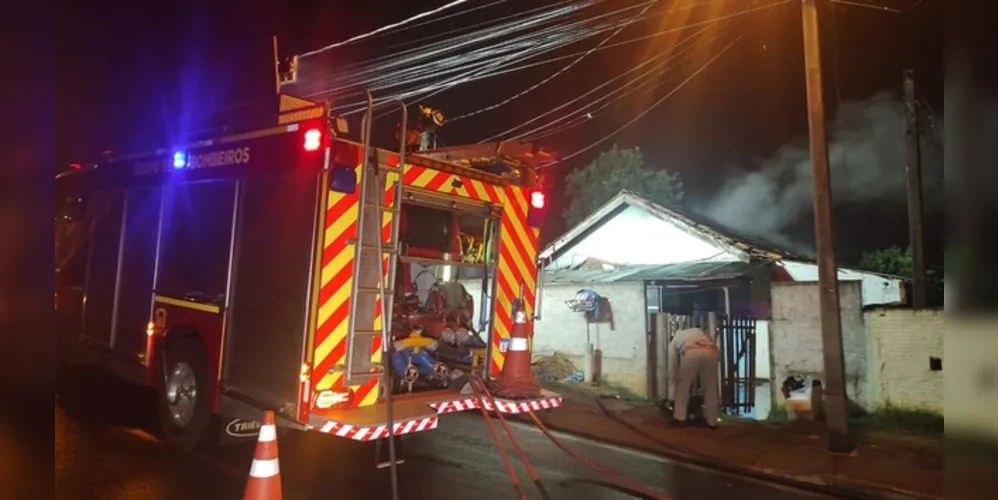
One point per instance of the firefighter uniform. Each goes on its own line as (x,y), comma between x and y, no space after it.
(693,353)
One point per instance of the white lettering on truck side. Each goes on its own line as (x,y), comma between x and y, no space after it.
(226,157)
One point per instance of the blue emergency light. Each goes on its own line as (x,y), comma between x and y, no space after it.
(179,159)
(342,179)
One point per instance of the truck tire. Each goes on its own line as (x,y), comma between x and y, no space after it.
(184,412)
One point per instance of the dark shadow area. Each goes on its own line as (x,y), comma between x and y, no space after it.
(98,398)
(101,451)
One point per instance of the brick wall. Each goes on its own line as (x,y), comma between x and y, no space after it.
(901,343)
(624,355)
(795,336)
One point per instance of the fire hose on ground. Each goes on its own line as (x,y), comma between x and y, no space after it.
(483,394)
(610,475)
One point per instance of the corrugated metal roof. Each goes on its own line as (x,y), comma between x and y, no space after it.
(688,271)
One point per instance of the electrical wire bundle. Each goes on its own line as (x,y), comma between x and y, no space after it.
(420,68)
(661,73)
(443,60)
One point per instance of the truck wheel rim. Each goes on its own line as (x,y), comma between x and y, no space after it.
(181,394)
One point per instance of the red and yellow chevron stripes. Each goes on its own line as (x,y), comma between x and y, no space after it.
(336,280)
(517,264)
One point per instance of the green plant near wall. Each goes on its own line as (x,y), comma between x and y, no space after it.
(892,260)
(898,420)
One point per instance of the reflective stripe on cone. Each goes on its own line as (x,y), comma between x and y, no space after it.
(516,380)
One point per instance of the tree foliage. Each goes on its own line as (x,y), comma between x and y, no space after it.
(890,260)
(618,169)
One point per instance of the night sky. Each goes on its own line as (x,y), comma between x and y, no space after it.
(132,75)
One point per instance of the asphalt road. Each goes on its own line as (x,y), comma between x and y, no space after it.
(104,450)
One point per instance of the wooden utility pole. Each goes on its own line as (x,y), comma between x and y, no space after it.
(277,68)
(914,171)
(831,326)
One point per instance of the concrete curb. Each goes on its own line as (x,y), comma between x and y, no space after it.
(824,484)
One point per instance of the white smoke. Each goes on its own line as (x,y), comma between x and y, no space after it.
(867,155)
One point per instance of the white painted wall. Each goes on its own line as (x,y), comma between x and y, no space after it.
(762,360)
(796,336)
(635,236)
(624,352)
(900,343)
(877,290)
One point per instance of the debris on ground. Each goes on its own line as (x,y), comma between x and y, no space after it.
(554,367)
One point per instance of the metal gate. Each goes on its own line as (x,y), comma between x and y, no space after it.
(735,337)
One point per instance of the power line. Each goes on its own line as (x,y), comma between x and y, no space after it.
(461,79)
(882,8)
(653,105)
(378,74)
(640,17)
(475,65)
(636,39)
(516,23)
(483,68)
(395,67)
(554,75)
(438,87)
(493,3)
(525,48)
(471,27)
(633,40)
(575,122)
(580,120)
(389,27)
(670,56)
(916,5)
(618,95)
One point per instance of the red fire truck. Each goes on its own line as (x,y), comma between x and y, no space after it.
(244,273)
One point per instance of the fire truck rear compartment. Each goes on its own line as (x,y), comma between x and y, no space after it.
(446,258)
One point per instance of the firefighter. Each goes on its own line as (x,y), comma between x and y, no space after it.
(693,353)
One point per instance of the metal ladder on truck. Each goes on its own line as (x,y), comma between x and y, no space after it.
(370,279)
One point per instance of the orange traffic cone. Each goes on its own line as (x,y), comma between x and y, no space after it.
(265,473)
(516,380)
